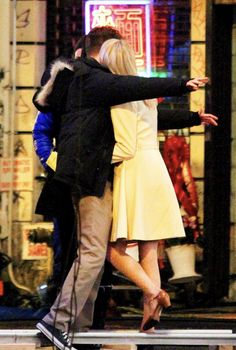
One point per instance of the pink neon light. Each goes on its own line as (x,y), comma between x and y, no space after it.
(132,19)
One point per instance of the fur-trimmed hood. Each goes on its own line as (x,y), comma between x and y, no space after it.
(56,67)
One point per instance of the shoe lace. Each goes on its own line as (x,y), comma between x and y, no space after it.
(66,337)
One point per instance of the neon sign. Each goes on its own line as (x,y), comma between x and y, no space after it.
(131,18)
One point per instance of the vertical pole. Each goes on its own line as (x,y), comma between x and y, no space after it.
(8,63)
(5,88)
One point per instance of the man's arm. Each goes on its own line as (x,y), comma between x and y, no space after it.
(100,88)
(110,89)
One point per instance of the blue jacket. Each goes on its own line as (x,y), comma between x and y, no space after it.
(44,132)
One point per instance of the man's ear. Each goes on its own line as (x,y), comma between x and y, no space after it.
(78,53)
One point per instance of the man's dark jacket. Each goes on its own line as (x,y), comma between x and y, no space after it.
(82,93)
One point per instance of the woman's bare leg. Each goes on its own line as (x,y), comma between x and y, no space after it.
(131,268)
(148,258)
(145,274)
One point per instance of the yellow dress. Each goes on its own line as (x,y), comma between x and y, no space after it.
(145,206)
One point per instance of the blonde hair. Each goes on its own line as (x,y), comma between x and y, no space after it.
(119,58)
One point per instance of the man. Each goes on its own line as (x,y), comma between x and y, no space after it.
(85,91)
(64,235)
(45,135)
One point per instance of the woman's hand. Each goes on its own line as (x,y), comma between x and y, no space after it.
(207,118)
(196,83)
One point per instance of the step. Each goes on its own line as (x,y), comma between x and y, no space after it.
(18,346)
(211,337)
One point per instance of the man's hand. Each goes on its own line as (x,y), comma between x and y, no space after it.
(207,118)
(196,83)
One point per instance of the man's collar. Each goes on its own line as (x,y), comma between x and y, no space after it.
(94,63)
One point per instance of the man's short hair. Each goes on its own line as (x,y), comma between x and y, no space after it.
(92,42)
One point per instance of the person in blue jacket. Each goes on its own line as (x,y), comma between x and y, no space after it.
(44,133)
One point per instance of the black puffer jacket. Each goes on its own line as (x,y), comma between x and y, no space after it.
(83,93)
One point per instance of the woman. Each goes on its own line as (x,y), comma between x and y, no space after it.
(145,208)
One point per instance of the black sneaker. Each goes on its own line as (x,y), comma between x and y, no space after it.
(57,337)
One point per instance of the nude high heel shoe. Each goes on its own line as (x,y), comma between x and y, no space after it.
(163,301)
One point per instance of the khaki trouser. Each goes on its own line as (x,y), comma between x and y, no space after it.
(81,285)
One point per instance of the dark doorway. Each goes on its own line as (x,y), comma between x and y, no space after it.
(218,152)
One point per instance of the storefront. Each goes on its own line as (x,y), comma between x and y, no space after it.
(184,38)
